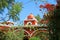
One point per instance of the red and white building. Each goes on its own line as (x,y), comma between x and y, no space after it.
(31,20)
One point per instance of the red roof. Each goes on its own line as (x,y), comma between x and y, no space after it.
(31,16)
(44,21)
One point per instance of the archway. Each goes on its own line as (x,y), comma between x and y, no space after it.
(43,34)
(26,33)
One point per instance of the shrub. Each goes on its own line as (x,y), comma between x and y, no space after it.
(2,36)
(34,38)
(15,35)
(12,34)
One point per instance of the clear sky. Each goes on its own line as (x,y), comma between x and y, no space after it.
(31,7)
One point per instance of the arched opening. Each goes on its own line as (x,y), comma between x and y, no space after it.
(29,23)
(26,33)
(43,35)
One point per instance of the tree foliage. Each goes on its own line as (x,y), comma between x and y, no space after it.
(34,38)
(5,4)
(14,11)
(12,34)
(54,21)
(38,18)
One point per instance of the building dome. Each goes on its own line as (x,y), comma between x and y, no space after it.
(30,16)
(31,20)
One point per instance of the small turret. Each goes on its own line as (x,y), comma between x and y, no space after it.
(31,20)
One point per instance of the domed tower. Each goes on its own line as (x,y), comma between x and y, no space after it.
(31,20)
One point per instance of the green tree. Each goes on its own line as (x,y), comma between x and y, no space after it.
(54,22)
(12,34)
(14,11)
(5,4)
(38,18)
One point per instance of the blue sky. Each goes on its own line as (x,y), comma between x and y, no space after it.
(31,7)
